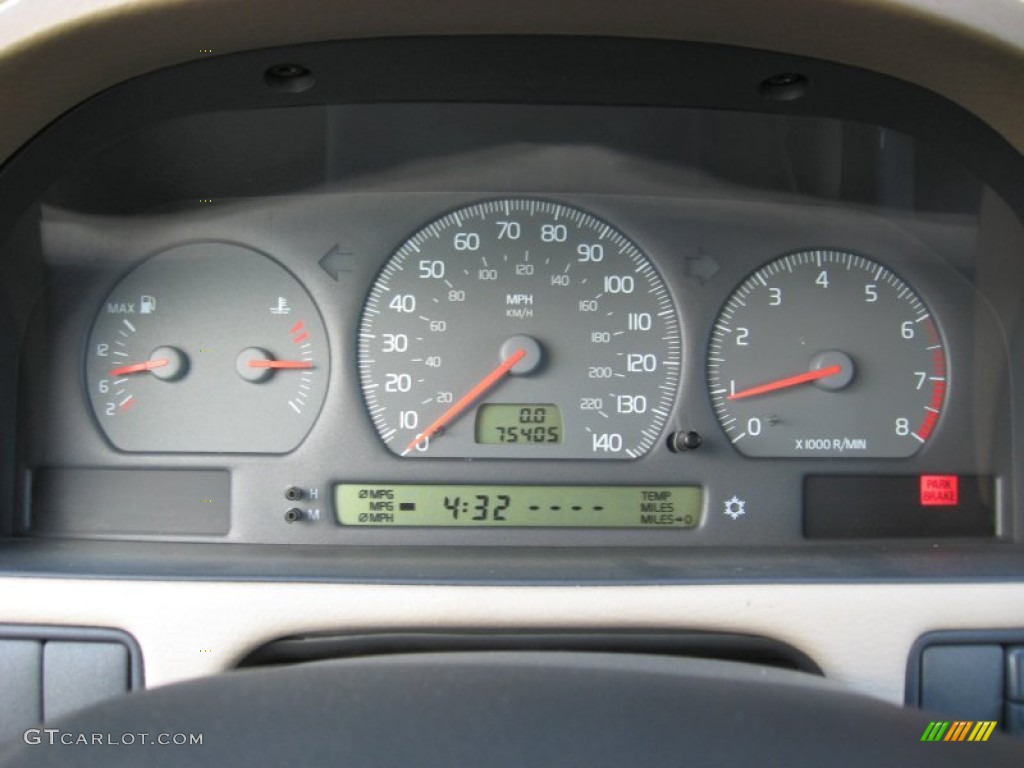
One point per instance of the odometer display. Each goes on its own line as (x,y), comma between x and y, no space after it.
(827,354)
(508,424)
(519,301)
(518,506)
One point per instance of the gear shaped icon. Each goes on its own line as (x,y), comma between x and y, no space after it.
(735,507)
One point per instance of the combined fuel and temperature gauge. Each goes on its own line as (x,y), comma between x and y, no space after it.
(207,347)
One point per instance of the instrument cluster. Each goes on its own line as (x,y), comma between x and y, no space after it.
(499,344)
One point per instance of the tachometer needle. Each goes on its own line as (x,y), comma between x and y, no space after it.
(149,365)
(467,399)
(280,364)
(789,381)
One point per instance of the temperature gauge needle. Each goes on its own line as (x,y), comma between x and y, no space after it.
(280,364)
(149,365)
(789,381)
(467,399)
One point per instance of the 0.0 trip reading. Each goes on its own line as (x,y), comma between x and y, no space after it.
(506,423)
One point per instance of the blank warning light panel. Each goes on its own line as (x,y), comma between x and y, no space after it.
(899,506)
(939,491)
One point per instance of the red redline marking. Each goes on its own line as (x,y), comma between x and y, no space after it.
(128,404)
(300,338)
(938,387)
(932,417)
(928,425)
(297,327)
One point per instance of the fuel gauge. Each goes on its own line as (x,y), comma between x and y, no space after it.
(207,347)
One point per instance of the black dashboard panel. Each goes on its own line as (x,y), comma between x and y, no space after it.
(712,177)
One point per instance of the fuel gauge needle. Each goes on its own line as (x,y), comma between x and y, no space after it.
(149,365)
(788,381)
(467,399)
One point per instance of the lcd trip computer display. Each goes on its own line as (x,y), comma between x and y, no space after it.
(519,506)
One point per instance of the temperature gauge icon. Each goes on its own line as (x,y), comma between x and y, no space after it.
(207,347)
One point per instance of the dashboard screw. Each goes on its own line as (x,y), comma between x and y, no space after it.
(788,86)
(291,78)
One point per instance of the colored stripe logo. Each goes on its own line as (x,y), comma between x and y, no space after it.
(959,730)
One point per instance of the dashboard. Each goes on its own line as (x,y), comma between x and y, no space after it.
(514,333)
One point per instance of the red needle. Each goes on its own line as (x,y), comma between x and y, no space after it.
(467,399)
(280,364)
(789,381)
(149,365)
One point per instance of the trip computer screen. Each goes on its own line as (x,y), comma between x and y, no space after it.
(518,506)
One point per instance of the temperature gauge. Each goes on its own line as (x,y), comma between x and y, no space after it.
(207,347)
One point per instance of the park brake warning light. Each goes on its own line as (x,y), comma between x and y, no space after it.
(939,491)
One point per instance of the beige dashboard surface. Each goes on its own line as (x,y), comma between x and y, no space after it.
(859,634)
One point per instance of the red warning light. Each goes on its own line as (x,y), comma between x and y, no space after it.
(939,491)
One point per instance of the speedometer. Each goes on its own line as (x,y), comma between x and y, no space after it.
(519,328)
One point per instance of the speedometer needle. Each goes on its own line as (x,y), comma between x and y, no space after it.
(149,365)
(467,399)
(789,381)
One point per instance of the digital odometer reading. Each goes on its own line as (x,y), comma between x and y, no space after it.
(519,301)
(518,506)
(505,423)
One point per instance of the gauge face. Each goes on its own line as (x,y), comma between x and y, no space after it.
(519,329)
(826,354)
(207,347)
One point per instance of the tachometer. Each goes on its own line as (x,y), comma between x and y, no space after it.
(826,353)
(519,328)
